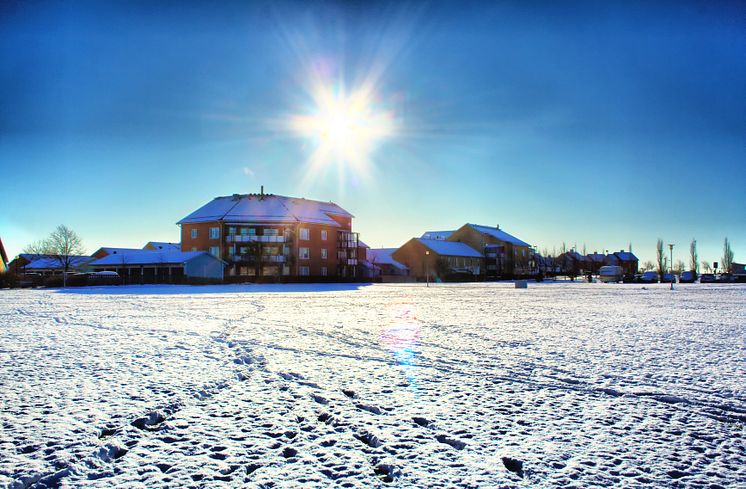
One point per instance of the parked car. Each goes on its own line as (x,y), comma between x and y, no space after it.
(649,277)
(687,277)
(610,273)
(668,278)
(707,278)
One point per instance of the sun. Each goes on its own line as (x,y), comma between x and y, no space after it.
(345,128)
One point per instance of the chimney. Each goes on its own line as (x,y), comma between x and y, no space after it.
(498,227)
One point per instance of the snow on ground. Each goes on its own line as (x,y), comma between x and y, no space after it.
(474,385)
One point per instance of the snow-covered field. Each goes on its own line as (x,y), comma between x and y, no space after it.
(478,385)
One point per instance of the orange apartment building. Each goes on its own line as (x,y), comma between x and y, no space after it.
(273,237)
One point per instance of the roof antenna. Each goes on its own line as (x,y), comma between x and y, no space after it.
(262,194)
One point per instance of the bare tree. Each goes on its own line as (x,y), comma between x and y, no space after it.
(63,245)
(37,248)
(706,266)
(648,265)
(727,259)
(660,258)
(693,257)
(679,267)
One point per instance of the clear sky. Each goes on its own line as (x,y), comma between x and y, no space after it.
(589,123)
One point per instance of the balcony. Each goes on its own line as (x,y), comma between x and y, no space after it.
(251,238)
(255,259)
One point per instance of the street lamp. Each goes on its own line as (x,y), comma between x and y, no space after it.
(427,268)
(670,247)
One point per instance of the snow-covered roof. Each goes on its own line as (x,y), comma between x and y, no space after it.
(436,235)
(499,234)
(360,244)
(149,257)
(266,208)
(109,250)
(382,256)
(162,245)
(626,256)
(53,263)
(450,248)
(596,257)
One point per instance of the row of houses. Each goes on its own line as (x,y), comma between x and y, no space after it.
(266,237)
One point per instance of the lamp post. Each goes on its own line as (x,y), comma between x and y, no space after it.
(670,247)
(427,268)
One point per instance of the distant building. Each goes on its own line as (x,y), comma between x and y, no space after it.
(572,263)
(438,258)
(147,266)
(109,250)
(739,271)
(505,255)
(265,236)
(387,266)
(27,264)
(162,246)
(628,261)
(595,261)
(442,235)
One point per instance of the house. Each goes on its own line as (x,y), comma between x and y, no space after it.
(387,266)
(3,258)
(505,255)
(438,258)
(628,261)
(595,261)
(147,266)
(572,263)
(739,271)
(162,246)
(265,236)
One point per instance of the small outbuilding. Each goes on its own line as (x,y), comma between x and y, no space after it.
(145,266)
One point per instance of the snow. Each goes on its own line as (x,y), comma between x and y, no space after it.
(47,262)
(382,256)
(267,208)
(499,234)
(450,248)
(389,385)
(436,235)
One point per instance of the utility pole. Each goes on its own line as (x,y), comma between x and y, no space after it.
(427,268)
(670,247)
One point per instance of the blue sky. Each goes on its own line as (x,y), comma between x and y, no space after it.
(588,123)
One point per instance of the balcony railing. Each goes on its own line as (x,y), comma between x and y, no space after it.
(251,238)
(255,258)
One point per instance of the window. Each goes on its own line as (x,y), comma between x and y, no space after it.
(214,233)
(194,248)
(231,231)
(304,253)
(270,271)
(305,234)
(244,231)
(323,271)
(215,251)
(194,233)
(285,270)
(232,250)
(324,254)
(323,235)
(270,232)
(305,271)
(244,250)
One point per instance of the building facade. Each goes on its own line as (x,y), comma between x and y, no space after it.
(438,258)
(505,255)
(265,237)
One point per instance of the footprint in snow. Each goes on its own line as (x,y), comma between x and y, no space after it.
(457,444)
